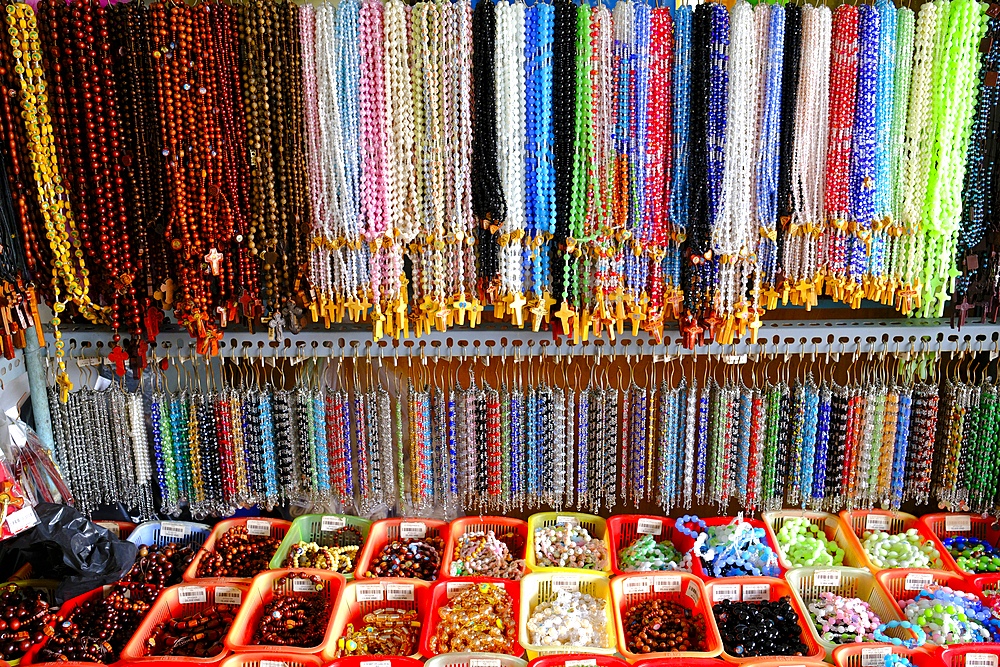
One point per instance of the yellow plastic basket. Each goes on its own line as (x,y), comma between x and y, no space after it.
(595,525)
(830,524)
(537,587)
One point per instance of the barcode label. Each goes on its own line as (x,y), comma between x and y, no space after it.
(275,663)
(375,663)
(729,592)
(331,523)
(369,592)
(874,657)
(399,592)
(484,662)
(257,527)
(228,595)
(191,595)
(111,528)
(877,522)
(649,527)
(303,585)
(693,592)
(568,520)
(826,578)
(917,581)
(756,592)
(172,529)
(409,530)
(581,663)
(980,660)
(667,584)
(636,586)
(565,582)
(958,523)
(456,588)
(21,520)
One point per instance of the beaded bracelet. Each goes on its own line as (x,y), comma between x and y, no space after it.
(681,526)
(920,638)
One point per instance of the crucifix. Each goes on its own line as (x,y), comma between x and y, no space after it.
(213,258)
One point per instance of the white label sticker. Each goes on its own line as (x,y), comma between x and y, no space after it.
(456,587)
(649,527)
(399,592)
(917,581)
(111,528)
(877,522)
(484,662)
(826,578)
(565,582)
(21,520)
(409,530)
(756,592)
(172,529)
(271,663)
(228,595)
(693,592)
(636,586)
(257,527)
(375,663)
(670,583)
(192,595)
(580,663)
(568,520)
(331,523)
(300,585)
(980,660)
(874,657)
(729,592)
(369,592)
(958,523)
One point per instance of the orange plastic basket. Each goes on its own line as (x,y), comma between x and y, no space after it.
(362,597)
(830,524)
(970,655)
(685,543)
(905,583)
(946,524)
(384,531)
(443,591)
(587,660)
(891,522)
(623,529)
(277,527)
(512,532)
(988,584)
(865,654)
(683,588)
(777,588)
(798,662)
(271,660)
(169,605)
(686,662)
(240,637)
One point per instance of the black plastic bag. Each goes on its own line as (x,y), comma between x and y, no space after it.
(65,546)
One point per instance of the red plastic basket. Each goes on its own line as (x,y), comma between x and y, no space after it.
(240,637)
(168,605)
(970,655)
(370,661)
(985,529)
(683,588)
(271,660)
(686,662)
(443,591)
(685,543)
(406,594)
(853,655)
(988,584)
(278,529)
(778,588)
(384,531)
(512,532)
(798,662)
(905,583)
(898,522)
(623,529)
(120,529)
(590,660)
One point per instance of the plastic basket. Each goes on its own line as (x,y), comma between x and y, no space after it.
(240,637)
(168,605)
(595,525)
(686,662)
(475,660)
(120,529)
(985,529)
(373,661)
(905,583)
(899,522)
(853,655)
(970,655)
(988,584)
(152,533)
(797,662)
(686,543)
(777,588)
(512,532)
(830,524)
(537,587)
(807,583)
(580,660)
(23,572)
(271,660)
(309,528)
(279,527)
(443,591)
(350,610)
(683,588)
(623,529)
(384,531)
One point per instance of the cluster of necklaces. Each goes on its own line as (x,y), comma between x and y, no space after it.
(453,435)
(410,166)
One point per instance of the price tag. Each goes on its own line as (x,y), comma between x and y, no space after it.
(303,585)
(693,592)
(409,530)
(568,520)
(565,582)
(257,527)
(111,527)
(636,586)
(874,657)
(484,662)
(916,581)
(191,595)
(756,592)
(21,520)
(228,595)
(277,663)
(980,660)
(729,592)
(376,663)
(826,578)
(581,663)
(369,592)
(456,588)
(399,592)
(649,527)
(877,522)
(173,530)
(670,583)
(331,523)
(959,523)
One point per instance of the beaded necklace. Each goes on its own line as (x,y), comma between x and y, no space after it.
(897,135)
(879,270)
(863,148)
(681,148)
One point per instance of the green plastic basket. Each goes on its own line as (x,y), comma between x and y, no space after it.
(309,528)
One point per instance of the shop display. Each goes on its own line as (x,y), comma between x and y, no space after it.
(238,554)
(752,629)
(843,620)
(24,619)
(949,616)
(804,544)
(656,626)
(478,620)
(298,619)
(973,555)
(382,632)
(199,635)
(907,549)
(569,545)
(570,618)
(419,558)
(647,555)
(482,554)
(161,566)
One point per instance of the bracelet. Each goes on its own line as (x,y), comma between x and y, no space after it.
(690,518)
(921,637)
